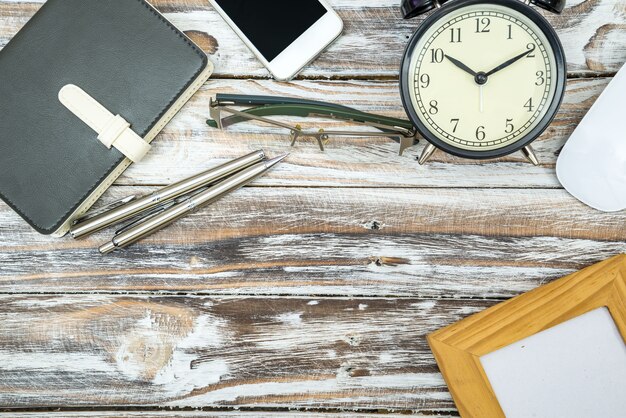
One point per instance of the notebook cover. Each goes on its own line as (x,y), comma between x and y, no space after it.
(125,55)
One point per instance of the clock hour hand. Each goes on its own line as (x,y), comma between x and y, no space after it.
(509,62)
(461,65)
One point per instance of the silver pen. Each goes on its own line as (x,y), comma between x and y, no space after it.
(161,220)
(134,207)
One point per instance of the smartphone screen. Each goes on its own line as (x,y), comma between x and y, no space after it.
(273,25)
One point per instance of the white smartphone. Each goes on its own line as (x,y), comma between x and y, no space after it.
(285,35)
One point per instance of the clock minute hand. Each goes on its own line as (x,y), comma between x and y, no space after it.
(461,65)
(509,62)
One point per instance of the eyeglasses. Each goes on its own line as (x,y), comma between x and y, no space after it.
(265,107)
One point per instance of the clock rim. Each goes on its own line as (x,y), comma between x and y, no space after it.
(544,123)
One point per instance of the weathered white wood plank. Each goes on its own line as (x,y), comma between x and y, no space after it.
(293,241)
(218,414)
(593,34)
(188,145)
(86,351)
(270,352)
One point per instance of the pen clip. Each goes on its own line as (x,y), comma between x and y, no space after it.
(145,216)
(104,209)
(151,213)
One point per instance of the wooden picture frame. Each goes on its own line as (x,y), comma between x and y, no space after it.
(459,347)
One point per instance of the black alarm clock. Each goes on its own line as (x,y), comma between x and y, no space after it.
(482,79)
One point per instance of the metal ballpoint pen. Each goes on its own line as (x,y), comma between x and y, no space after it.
(160,221)
(134,207)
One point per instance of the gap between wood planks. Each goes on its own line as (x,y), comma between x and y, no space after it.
(570,76)
(204,294)
(208,412)
(272,411)
(295,186)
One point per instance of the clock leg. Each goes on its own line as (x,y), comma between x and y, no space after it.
(529,153)
(406,143)
(427,153)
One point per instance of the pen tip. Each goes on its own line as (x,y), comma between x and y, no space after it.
(274,161)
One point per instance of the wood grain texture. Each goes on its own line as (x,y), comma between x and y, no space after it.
(593,33)
(365,354)
(301,241)
(188,145)
(313,289)
(173,413)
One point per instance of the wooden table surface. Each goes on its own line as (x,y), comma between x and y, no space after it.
(313,289)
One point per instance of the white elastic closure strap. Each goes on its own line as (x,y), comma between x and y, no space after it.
(113,130)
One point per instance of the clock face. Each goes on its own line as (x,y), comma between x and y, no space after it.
(483,77)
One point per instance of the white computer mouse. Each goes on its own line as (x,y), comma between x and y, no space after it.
(592,165)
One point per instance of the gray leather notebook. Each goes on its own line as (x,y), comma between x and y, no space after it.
(124,70)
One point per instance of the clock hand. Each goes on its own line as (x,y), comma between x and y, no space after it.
(509,62)
(461,65)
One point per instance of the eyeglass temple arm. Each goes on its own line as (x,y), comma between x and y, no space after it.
(251,100)
(307,108)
